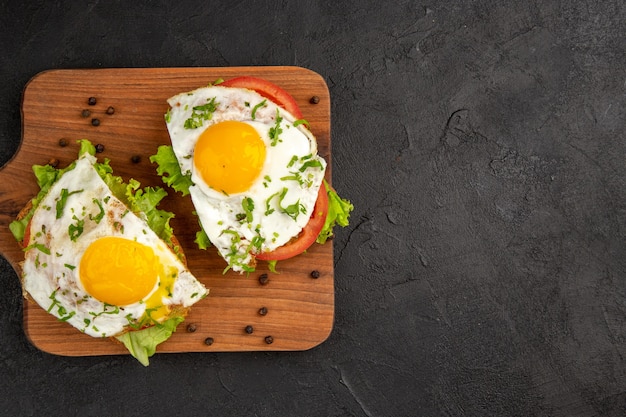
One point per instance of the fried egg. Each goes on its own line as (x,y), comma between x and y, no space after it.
(93,263)
(255,169)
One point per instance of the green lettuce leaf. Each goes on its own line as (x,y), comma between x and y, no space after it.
(169,170)
(202,240)
(146,201)
(142,344)
(86,147)
(143,201)
(338,214)
(46,175)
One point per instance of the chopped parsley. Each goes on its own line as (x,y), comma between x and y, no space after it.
(75,230)
(63,315)
(235,257)
(201,113)
(268,209)
(100,215)
(276,130)
(313,163)
(292,210)
(63,200)
(255,108)
(292,161)
(37,246)
(301,122)
(248,206)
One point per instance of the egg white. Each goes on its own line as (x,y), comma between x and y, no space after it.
(220,214)
(51,268)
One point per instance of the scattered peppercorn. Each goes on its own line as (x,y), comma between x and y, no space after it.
(263,311)
(314,100)
(315,274)
(85,113)
(63,142)
(249,329)
(135,159)
(53,162)
(92,101)
(191,328)
(99,148)
(110,110)
(264,279)
(95,122)
(269,340)
(208,341)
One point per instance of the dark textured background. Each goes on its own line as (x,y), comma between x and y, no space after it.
(482,144)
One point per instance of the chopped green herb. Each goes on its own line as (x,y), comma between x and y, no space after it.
(100,215)
(256,242)
(268,209)
(63,200)
(276,130)
(292,210)
(295,176)
(201,113)
(248,206)
(235,257)
(75,230)
(293,160)
(301,122)
(168,116)
(38,246)
(255,108)
(314,163)
(69,316)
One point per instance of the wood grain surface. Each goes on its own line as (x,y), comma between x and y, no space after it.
(300,309)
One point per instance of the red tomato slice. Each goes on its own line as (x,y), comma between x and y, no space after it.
(308,234)
(268,90)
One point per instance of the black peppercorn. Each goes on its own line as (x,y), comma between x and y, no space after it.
(135,159)
(191,328)
(99,148)
(92,101)
(264,279)
(263,311)
(208,341)
(249,329)
(269,340)
(85,113)
(95,122)
(63,142)
(315,274)
(314,100)
(110,110)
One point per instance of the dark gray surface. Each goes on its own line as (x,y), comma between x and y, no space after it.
(482,144)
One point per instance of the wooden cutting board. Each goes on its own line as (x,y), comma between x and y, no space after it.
(300,309)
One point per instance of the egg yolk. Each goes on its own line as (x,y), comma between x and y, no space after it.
(119,271)
(229,156)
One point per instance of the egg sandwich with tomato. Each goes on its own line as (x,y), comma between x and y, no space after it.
(99,255)
(241,149)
